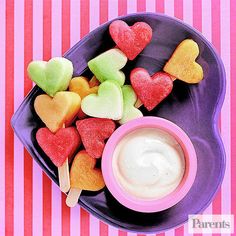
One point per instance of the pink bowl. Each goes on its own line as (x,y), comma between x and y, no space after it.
(168,201)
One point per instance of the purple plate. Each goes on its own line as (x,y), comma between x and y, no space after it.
(195,108)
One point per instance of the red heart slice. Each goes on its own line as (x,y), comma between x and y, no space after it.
(130,39)
(94,132)
(151,90)
(60,145)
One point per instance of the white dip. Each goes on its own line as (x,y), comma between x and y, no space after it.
(148,163)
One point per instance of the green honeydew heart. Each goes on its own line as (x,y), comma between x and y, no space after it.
(130,112)
(108,103)
(52,76)
(107,66)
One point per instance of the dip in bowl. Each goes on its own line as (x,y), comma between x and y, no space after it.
(149,164)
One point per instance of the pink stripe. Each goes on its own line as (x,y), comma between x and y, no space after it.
(74,22)
(75,221)
(216,24)
(130,234)
(216,205)
(197,16)
(225,114)
(141,5)
(94,14)
(74,38)
(37,29)
(112,9)
(151,6)
(233,104)
(37,200)
(56,28)
(94,23)
(170,233)
(56,210)
(178,8)
(112,13)
(112,231)
(208,210)
(131,6)
(37,172)
(186,230)
(206,18)
(56,51)
(160,5)
(169,7)
(18,97)
(2,115)
(188,11)
(94,226)
(169,10)
(207,32)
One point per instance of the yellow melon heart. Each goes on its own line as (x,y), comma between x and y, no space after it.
(80,85)
(58,111)
(182,63)
(84,175)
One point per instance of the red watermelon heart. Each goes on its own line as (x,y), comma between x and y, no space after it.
(151,90)
(58,146)
(130,39)
(94,132)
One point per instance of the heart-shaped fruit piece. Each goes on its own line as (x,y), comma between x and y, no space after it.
(130,39)
(84,175)
(52,76)
(182,63)
(58,111)
(130,112)
(58,146)
(94,132)
(107,66)
(151,90)
(108,103)
(80,85)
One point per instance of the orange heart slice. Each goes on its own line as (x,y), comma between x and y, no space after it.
(84,175)
(182,64)
(80,85)
(58,111)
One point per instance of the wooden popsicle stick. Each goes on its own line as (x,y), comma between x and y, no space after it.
(64,174)
(64,177)
(73,197)
(93,82)
(138,103)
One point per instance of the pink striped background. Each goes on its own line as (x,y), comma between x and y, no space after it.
(30,204)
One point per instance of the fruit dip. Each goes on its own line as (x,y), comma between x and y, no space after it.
(148,163)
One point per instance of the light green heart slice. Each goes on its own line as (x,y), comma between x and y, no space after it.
(108,103)
(52,76)
(107,66)
(130,112)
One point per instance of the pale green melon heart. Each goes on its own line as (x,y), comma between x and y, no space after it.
(129,99)
(107,66)
(108,103)
(52,76)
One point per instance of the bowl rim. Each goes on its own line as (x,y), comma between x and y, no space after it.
(152,205)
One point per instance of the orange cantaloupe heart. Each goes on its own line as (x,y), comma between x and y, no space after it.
(80,85)
(182,64)
(84,175)
(58,111)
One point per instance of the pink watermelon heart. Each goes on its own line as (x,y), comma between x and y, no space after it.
(130,39)
(58,146)
(94,132)
(151,90)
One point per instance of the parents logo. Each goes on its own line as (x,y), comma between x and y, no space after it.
(223,224)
